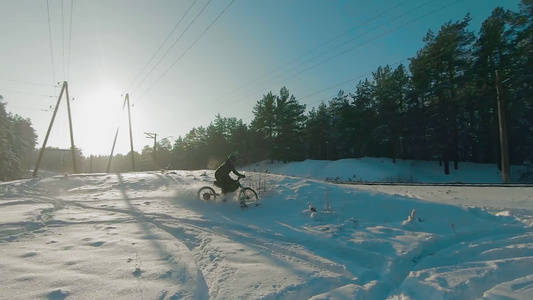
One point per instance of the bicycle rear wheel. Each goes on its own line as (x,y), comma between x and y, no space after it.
(247,196)
(207,193)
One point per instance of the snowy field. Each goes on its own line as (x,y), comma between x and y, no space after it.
(147,236)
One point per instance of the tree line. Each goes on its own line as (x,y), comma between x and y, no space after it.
(441,106)
(17,143)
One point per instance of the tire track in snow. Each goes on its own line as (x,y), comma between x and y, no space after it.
(401,267)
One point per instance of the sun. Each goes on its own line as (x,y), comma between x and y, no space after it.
(97,115)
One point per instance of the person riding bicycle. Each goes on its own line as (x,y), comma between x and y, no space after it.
(223,180)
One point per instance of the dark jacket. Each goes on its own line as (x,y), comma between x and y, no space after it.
(224,169)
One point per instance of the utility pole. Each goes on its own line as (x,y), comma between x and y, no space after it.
(126,101)
(64,89)
(150,135)
(72,148)
(131,134)
(503,130)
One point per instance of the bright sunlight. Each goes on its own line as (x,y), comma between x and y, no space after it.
(98,113)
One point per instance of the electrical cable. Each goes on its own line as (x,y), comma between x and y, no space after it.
(26,82)
(160,47)
(359,45)
(347,81)
(70,38)
(50,38)
(186,51)
(320,46)
(166,53)
(63,38)
(350,49)
(31,108)
(27,93)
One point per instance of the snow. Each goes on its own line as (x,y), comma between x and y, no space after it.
(146,235)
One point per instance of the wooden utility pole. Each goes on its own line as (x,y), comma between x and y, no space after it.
(126,101)
(72,148)
(108,169)
(506,177)
(150,135)
(131,135)
(64,89)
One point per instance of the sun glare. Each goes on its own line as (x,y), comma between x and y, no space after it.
(100,112)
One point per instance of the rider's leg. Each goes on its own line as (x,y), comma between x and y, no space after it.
(233,185)
(222,186)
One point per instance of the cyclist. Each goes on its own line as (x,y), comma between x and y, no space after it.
(224,181)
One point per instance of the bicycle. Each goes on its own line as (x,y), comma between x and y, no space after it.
(246,195)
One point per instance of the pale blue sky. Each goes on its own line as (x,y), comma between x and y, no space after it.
(252,48)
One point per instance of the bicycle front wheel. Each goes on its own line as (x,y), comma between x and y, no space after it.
(247,196)
(207,193)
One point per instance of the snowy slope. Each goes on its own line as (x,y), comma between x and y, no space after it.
(147,236)
(369,169)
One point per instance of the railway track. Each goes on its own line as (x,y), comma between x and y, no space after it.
(433,184)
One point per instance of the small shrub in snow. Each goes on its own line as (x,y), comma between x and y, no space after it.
(326,207)
(259,182)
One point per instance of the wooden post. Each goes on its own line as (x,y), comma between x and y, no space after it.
(63,89)
(72,148)
(131,134)
(153,136)
(112,150)
(108,169)
(126,101)
(506,177)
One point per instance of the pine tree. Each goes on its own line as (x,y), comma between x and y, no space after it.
(17,142)
(492,52)
(263,126)
(364,119)
(521,104)
(318,132)
(6,154)
(290,121)
(343,126)
(445,60)
(390,94)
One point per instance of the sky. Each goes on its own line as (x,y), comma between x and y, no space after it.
(183,62)
(146,235)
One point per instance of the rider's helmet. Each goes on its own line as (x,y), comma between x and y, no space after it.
(232,157)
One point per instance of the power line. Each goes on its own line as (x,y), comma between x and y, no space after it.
(70,38)
(190,47)
(345,43)
(26,82)
(28,93)
(359,45)
(50,38)
(318,47)
(388,32)
(345,82)
(31,108)
(164,42)
(63,37)
(349,49)
(166,53)
(65,62)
